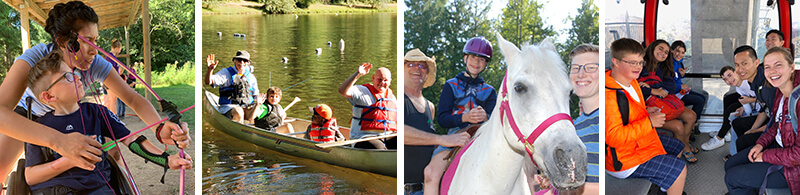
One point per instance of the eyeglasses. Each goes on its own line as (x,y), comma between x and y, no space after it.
(587,68)
(241,60)
(634,64)
(69,76)
(421,66)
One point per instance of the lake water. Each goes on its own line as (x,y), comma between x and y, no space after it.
(231,166)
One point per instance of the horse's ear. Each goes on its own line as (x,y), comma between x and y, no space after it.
(509,50)
(547,43)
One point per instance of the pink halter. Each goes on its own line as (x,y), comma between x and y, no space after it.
(505,111)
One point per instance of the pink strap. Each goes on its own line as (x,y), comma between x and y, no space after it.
(447,179)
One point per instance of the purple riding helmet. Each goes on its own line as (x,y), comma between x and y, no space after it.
(479,46)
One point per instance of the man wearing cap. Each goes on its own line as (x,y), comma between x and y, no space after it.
(374,110)
(237,87)
(323,127)
(420,136)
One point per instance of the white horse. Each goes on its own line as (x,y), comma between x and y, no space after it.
(535,98)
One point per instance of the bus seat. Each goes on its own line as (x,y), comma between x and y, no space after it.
(626,186)
(778,191)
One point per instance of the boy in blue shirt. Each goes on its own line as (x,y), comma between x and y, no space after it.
(465,99)
(61,88)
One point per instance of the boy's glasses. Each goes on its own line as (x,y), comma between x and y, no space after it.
(634,64)
(587,68)
(421,66)
(69,76)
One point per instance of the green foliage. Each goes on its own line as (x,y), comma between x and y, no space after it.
(376,3)
(440,28)
(172,74)
(585,28)
(211,4)
(303,4)
(10,37)
(521,23)
(171,34)
(278,6)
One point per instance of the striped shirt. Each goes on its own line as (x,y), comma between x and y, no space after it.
(587,128)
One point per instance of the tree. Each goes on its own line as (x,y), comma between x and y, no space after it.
(585,28)
(10,39)
(521,23)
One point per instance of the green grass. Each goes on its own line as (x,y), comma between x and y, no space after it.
(182,95)
(172,75)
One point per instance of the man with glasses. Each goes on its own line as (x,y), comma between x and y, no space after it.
(238,88)
(420,136)
(583,75)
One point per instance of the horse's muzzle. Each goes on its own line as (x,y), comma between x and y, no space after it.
(567,171)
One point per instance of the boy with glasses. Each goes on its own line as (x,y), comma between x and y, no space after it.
(48,172)
(633,148)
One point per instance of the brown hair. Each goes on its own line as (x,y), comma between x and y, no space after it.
(725,69)
(584,48)
(43,69)
(115,43)
(625,46)
(274,90)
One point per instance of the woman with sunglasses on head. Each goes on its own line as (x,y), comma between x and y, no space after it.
(65,22)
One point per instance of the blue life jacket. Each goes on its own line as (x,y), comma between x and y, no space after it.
(240,92)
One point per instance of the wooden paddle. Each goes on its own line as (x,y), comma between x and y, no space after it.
(342,143)
(296,99)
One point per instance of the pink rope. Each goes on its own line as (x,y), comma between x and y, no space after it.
(114,58)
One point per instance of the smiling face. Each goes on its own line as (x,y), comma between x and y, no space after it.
(745,65)
(585,84)
(773,40)
(731,78)
(777,70)
(661,52)
(240,63)
(273,98)
(85,55)
(382,79)
(678,53)
(414,74)
(627,68)
(475,64)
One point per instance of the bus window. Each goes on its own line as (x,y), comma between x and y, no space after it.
(624,19)
(767,19)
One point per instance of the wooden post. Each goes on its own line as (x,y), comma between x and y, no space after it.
(146,41)
(25,29)
(127,49)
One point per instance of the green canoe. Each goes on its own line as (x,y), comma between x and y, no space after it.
(382,162)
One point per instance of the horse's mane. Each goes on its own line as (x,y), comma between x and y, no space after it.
(548,66)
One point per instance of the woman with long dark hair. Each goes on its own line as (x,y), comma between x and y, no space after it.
(658,64)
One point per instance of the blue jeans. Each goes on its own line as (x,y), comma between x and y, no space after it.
(120,109)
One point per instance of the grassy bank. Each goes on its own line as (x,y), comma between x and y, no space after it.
(254,8)
(182,95)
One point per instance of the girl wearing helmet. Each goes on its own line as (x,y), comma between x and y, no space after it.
(465,100)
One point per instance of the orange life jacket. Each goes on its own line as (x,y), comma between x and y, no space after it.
(381,116)
(325,132)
